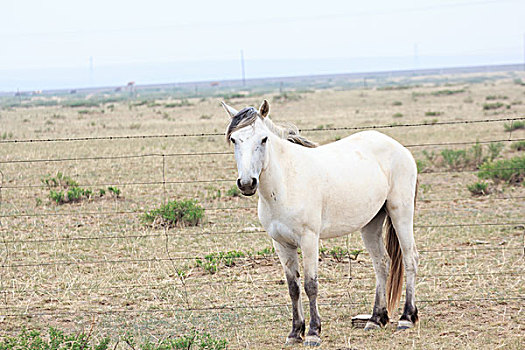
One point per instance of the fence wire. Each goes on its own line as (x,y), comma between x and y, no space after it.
(246,307)
(184,154)
(365,127)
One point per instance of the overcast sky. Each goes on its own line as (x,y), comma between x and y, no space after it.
(40,35)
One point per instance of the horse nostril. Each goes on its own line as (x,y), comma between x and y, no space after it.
(239,183)
(254,182)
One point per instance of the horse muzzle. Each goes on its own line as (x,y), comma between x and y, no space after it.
(248,187)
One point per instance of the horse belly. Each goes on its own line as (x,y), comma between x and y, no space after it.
(352,204)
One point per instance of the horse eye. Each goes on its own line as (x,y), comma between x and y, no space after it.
(264,140)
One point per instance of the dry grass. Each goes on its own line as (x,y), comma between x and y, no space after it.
(130,283)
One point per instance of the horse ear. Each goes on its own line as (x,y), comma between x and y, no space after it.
(230,110)
(264,110)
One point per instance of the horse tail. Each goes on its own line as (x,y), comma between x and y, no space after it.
(395,277)
(394,284)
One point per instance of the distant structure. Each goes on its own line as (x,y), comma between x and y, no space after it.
(131,88)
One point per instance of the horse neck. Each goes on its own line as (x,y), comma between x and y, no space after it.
(273,175)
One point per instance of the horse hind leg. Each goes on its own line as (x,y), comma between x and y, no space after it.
(373,240)
(402,217)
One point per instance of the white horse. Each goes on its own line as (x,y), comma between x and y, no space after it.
(307,193)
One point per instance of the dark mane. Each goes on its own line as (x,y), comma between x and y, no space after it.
(243,118)
(247,116)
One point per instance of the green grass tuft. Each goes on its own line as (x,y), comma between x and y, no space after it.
(514,125)
(478,188)
(55,339)
(59,340)
(490,106)
(213,261)
(447,92)
(518,146)
(233,192)
(176,213)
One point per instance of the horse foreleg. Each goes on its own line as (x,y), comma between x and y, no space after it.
(310,249)
(290,262)
(373,239)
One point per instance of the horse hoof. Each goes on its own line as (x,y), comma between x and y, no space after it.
(312,341)
(404,324)
(293,341)
(370,326)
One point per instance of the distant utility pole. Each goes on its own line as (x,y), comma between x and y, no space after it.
(242,69)
(91,70)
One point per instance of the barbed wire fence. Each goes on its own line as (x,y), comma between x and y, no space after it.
(11,311)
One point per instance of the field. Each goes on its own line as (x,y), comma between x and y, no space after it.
(93,265)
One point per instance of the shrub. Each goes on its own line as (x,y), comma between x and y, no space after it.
(518,146)
(421,165)
(511,170)
(77,104)
(447,92)
(514,125)
(140,103)
(495,149)
(58,340)
(232,95)
(60,180)
(195,340)
(63,189)
(471,157)
(454,158)
(495,105)
(397,115)
(397,103)
(394,87)
(55,339)
(266,251)
(176,213)
(339,253)
(114,191)
(433,114)
(478,188)
(56,196)
(430,122)
(182,103)
(496,97)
